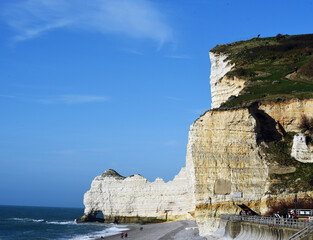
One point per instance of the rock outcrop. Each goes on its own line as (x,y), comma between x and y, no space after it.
(135,199)
(300,149)
(230,165)
(223,87)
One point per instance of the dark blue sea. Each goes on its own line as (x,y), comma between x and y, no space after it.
(32,223)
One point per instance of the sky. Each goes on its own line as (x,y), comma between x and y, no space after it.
(87,86)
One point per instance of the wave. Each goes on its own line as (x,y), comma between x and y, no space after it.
(43,221)
(27,220)
(62,222)
(105,233)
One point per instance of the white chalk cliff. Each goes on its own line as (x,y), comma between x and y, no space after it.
(226,163)
(300,149)
(135,199)
(223,87)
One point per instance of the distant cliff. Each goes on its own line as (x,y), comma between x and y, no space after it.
(253,147)
(135,199)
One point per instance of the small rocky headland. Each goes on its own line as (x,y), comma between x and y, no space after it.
(254,148)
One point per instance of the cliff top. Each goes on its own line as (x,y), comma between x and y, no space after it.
(274,68)
(112,173)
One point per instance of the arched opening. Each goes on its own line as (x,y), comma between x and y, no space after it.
(100,216)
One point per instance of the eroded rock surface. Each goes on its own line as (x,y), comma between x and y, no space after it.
(300,148)
(135,199)
(223,87)
(227,153)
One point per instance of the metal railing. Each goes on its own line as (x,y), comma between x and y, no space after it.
(283,222)
(305,231)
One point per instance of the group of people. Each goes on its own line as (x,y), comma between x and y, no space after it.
(290,215)
(244,213)
(124,235)
(288,218)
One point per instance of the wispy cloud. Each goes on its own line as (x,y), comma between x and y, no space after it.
(135,18)
(73,99)
(60,99)
(131,51)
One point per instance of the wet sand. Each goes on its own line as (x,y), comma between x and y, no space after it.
(179,230)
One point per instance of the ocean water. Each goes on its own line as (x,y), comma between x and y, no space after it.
(25,223)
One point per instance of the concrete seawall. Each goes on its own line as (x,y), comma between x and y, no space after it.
(238,230)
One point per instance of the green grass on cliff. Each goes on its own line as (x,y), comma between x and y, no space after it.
(300,180)
(265,63)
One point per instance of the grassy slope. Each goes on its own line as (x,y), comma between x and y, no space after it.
(265,62)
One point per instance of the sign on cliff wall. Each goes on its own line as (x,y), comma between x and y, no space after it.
(237,194)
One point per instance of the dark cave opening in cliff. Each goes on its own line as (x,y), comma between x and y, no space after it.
(100,215)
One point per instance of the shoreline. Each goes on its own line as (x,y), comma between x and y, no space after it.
(177,230)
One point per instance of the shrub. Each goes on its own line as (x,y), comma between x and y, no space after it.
(271,57)
(279,37)
(306,124)
(242,72)
(306,52)
(283,206)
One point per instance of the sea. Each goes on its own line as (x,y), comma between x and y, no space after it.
(39,223)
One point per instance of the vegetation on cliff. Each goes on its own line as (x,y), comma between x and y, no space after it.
(274,68)
(283,205)
(306,124)
(299,180)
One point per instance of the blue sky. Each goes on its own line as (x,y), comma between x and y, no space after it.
(90,85)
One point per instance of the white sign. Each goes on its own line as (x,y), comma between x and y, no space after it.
(238,194)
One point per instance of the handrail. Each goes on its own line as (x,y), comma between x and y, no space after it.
(284,222)
(302,232)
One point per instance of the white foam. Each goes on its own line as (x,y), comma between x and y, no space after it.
(26,220)
(105,233)
(62,223)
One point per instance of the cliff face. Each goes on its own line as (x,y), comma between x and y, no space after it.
(223,87)
(227,150)
(249,149)
(222,146)
(135,199)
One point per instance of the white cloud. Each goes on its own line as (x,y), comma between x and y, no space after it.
(135,18)
(73,99)
(131,51)
(60,99)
